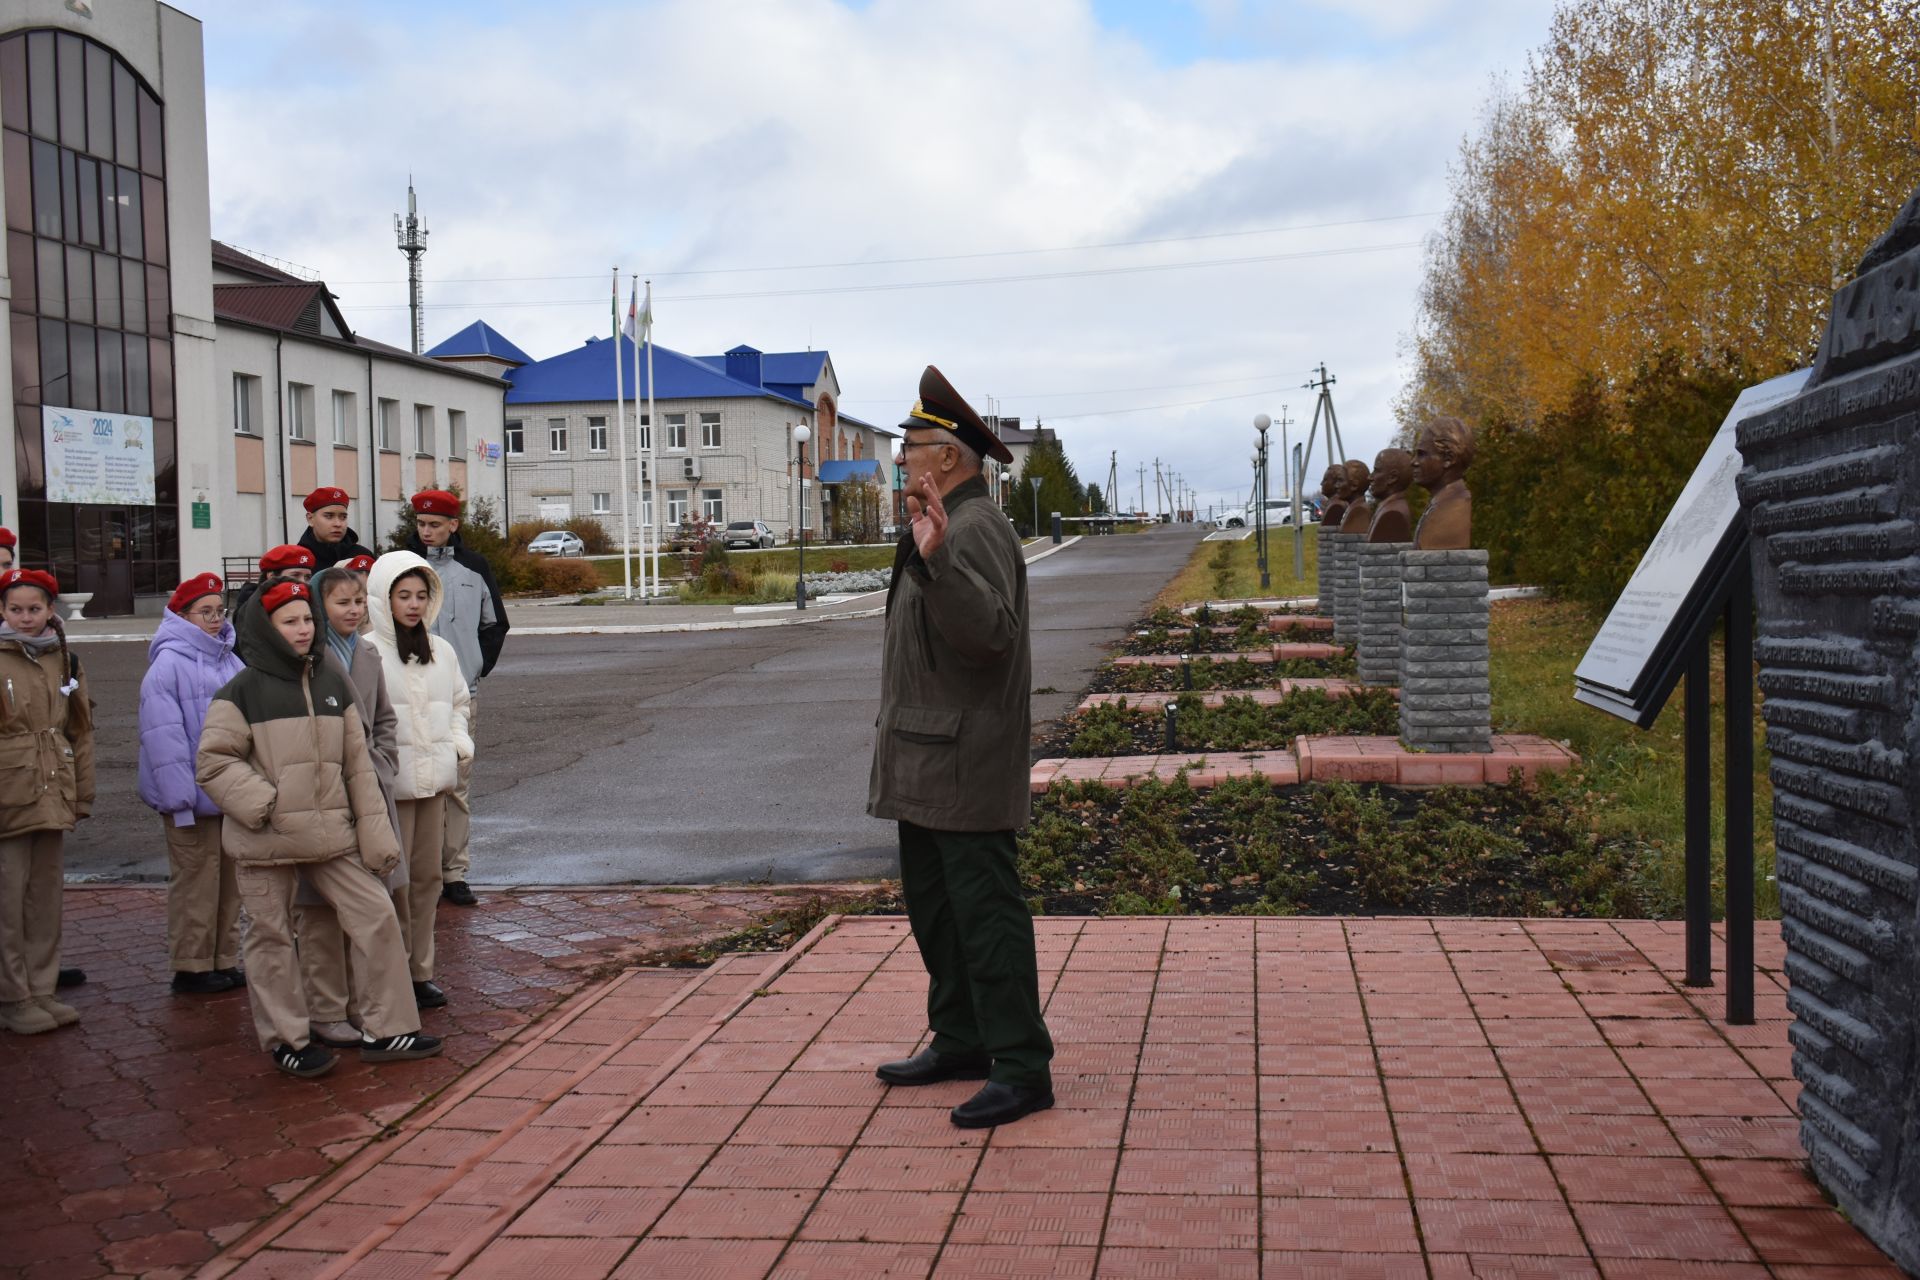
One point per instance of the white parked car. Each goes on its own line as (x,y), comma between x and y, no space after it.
(748,533)
(1279,512)
(557,542)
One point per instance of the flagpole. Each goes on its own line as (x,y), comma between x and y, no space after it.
(647,586)
(653,438)
(620,428)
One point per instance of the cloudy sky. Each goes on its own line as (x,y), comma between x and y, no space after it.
(1139,221)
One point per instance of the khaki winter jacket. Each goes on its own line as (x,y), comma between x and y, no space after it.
(46,741)
(430,699)
(955,720)
(285,757)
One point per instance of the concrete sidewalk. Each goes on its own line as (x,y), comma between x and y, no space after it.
(1364,1098)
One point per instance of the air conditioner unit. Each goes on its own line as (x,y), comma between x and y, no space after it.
(646,471)
(692,468)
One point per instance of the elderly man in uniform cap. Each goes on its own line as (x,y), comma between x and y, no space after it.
(950,765)
(327,535)
(473,619)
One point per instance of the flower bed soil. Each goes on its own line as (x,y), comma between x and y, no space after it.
(1239,724)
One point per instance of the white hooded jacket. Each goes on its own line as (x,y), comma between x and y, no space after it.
(429,698)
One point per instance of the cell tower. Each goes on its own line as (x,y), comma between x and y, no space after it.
(411,232)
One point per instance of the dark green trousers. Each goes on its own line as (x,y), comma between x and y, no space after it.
(976,939)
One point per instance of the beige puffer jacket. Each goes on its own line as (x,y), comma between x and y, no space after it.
(430,699)
(46,741)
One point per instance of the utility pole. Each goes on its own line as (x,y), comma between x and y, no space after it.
(1157,490)
(411,232)
(1112,495)
(1143,488)
(1322,409)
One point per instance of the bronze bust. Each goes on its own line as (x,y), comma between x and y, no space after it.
(1353,491)
(1336,508)
(1440,461)
(1392,477)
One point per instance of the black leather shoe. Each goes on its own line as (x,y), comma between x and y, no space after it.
(209,983)
(427,995)
(931,1067)
(234,977)
(457,892)
(70,978)
(1000,1104)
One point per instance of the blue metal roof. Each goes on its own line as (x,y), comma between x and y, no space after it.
(481,339)
(840,470)
(586,374)
(796,369)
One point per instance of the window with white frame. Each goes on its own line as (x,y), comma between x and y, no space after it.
(516,432)
(713,504)
(709,431)
(299,411)
(246,396)
(390,425)
(602,502)
(596,435)
(343,418)
(423,430)
(456,433)
(676,431)
(557,437)
(646,508)
(646,433)
(676,505)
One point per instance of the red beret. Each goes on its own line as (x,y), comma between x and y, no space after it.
(285,593)
(29,578)
(201,584)
(326,496)
(436,502)
(286,556)
(7,539)
(359,564)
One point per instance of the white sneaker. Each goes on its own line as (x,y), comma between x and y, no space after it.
(336,1035)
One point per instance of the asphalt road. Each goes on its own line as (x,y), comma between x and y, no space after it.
(683,758)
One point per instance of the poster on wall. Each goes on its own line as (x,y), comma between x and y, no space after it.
(103,458)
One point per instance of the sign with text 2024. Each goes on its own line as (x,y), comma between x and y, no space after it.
(104,458)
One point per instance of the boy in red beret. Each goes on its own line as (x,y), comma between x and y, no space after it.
(473,619)
(327,537)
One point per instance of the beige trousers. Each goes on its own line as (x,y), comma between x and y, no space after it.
(324,970)
(203,899)
(274,987)
(29,914)
(455,859)
(422,824)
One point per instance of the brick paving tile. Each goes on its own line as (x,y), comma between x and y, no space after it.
(1012,1262)
(1479,1094)
(1760,1138)
(1065,1127)
(1032,1217)
(546,1259)
(1721,1063)
(443,1228)
(1351,1175)
(1325,1131)
(1515,1266)
(1183,1221)
(1708,1097)
(1312,1224)
(1408,1061)
(1442,1132)
(650,1124)
(1500,1226)
(907,1169)
(620,1212)
(771,1167)
(1040,1169)
(1345,1060)
(1549,1033)
(1578,1135)
(898,1217)
(657,1165)
(1196,1129)
(1178,1264)
(1184,1172)
(735,1213)
(1320,1093)
(1807,1236)
(1774,1184)
(1154,1093)
(803,1126)
(653,1259)
(1610,1096)
(1670,1269)
(841,1260)
(1295,1264)
(1476,1177)
(1537,1062)
(1692,1232)
(1632,1180)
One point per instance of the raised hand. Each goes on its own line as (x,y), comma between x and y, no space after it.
(929,516)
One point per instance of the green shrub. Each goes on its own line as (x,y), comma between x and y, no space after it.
(565,577)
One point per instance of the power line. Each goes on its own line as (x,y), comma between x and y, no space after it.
(1095,391)
(945,257)
(1087,272)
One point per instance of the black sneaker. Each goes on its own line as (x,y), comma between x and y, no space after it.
(428,995)
(234,977)
(456,892)
(210,983)
(314,1060)
(400,1048)
(70,978)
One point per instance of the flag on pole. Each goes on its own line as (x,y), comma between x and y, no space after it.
(630,330)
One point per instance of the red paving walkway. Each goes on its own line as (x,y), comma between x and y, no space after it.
(1237,1098)
(156,1131)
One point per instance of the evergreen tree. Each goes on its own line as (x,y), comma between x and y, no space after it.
(1060,488)
(1096,502)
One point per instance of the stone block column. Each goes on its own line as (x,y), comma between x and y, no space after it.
(1324,575)
(1343,576)
(1380,610)
(1445,704)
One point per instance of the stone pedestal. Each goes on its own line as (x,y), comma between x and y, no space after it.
(1444,701)
(1324,575)
(1378,648)
(1340,584)
(1831,497)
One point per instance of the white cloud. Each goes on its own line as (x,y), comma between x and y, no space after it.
(683,134)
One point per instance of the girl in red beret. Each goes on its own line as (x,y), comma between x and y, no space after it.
(46,787)
(189,658)
(7,542)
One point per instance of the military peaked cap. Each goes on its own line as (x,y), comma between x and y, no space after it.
(940,405)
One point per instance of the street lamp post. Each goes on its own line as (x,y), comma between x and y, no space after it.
(1261,423)
(800,437)
(1035,482)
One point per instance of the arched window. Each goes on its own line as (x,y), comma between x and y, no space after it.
(86,211)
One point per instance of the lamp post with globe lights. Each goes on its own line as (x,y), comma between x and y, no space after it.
(1035,481)
(1262,423)
(801,434)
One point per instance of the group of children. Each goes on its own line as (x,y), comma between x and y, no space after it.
(302,755)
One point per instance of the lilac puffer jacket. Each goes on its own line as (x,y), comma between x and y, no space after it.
(186,667)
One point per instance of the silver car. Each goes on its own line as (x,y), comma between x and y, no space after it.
(748,533)
(557,542)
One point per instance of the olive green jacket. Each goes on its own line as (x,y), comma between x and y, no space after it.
(955,726)
(46,741)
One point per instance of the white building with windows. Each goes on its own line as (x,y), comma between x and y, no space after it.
(724,447)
